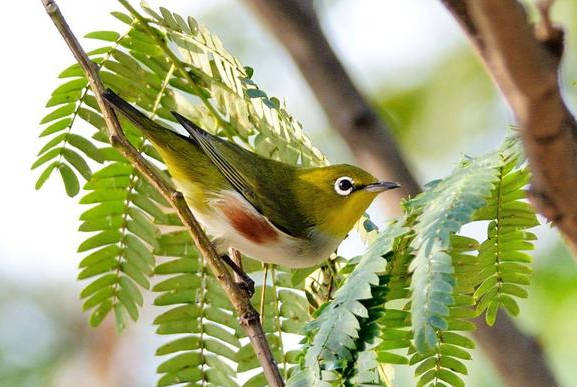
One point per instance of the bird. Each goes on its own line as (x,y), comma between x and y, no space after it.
(268,210)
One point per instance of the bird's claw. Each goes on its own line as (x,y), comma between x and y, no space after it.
(244,281)
(247,284)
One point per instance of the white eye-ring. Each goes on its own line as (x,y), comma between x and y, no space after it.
(344,185)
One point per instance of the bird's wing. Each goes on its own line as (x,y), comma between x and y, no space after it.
(209,143)
(250,175)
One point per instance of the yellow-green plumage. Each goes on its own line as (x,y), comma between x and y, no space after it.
(299,212)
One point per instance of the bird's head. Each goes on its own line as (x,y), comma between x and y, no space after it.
(336,196)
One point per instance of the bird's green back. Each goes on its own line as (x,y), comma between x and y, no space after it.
(267,184)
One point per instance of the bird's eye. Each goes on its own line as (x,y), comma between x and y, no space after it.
(344,185)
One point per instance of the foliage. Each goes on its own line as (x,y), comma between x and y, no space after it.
(446,206)
(441,361)
(129,223)
(503,266)
(334,334)
(402,302)
(427,278)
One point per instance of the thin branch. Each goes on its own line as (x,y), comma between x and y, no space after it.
(296,26)
(249,318)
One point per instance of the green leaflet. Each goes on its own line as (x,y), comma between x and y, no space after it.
(444,208)
(332,334)
(124,262)
(284,311)
(70,180)
(46,174)
(503,269)
(110,36)
(193,312)
(443,361)
(58,113)
(223,77)
(69,98)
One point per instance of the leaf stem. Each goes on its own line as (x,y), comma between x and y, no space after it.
(278,318)
(263,292)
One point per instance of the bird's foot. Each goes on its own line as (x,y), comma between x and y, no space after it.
(249,318)
(246,283)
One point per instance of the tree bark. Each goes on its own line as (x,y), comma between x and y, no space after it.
(295,24)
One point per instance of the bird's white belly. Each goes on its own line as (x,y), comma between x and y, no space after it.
(282,250)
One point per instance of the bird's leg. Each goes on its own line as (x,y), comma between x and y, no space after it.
(244,280)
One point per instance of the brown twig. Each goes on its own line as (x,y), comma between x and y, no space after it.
(249,318)
(295,24)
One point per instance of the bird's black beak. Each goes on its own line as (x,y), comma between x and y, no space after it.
(380,186)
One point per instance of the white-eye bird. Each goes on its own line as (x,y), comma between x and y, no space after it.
(268,210)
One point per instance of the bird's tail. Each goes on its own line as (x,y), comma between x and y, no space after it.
(181,154)
(152,130)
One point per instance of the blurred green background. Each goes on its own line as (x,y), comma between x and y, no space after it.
(410,60)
